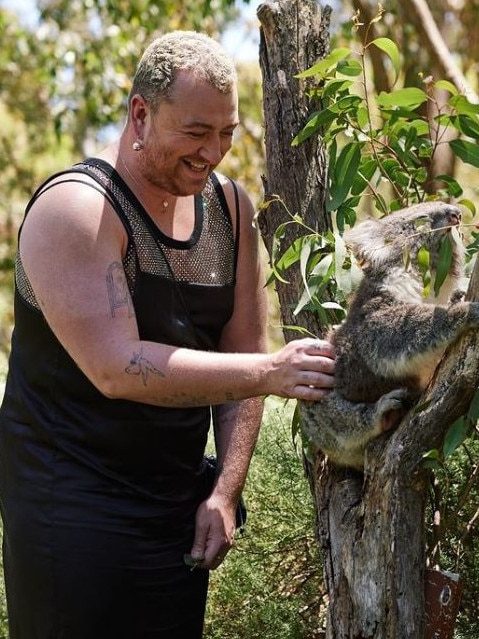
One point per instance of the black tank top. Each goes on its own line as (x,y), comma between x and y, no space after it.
(183,294)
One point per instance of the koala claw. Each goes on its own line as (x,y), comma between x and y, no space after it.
(391,408)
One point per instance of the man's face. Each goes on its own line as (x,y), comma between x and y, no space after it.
(188,136)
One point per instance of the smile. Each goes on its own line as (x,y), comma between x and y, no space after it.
(197,166)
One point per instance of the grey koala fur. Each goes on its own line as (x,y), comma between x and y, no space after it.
(392,338)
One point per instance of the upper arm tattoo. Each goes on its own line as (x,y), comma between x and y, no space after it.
(117,287)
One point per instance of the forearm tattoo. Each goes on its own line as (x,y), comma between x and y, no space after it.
(117,287)
(139,365)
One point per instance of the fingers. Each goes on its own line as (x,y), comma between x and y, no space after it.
(212,540)
(319,347)
(197,553)
(311,393)
(194,561)
(218,560)
(307,369)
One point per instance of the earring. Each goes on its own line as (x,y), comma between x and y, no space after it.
(137,145)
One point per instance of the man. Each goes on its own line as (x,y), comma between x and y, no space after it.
(139,306)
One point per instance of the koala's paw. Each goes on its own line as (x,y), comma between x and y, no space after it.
(391,408)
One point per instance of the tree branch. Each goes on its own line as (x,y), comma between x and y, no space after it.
(437,47)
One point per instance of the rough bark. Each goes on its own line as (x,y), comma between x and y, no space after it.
(370,527)
(294,35)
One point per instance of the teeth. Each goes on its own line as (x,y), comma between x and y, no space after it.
(197,167)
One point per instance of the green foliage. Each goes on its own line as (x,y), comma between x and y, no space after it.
(270,586)
(387,139)
(381,151)
(89,52)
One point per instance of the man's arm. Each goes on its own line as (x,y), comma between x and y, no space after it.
(69,243)
(236,424)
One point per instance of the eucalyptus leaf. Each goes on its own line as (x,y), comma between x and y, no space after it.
(443,263)
(349,67)
(322,68)
(345,172)
(454,189)
(315,123)
(463,106)
(473,412)
(455,435)
(391,50)
(410,97)
(446,86)
(467,151)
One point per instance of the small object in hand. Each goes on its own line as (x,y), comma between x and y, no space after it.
(192,562)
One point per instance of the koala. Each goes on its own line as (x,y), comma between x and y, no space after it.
(393,337)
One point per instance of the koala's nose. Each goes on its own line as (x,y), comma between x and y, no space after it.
(454,217)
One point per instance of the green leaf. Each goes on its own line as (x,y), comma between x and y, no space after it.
(469,204)
(391,50)
(462,105)
(415,127)
(410,98)
(319,279)
(334,87)
(443,264)
(305,254)
(468,125)
(455,435)
(346,213)
(447,86)
(473,412)
(346,103)
(345,172)
(423,259)
(432,454)
(315,123)
(454,189)
(349,67)
(467,151)
(291,255)
(332,305)
(304,300)
(366,171)
(323,267)
(362,117)
(322,67)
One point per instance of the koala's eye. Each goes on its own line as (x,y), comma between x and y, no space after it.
(421,221)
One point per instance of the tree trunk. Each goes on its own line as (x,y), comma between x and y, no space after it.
(371,528)
(294,35)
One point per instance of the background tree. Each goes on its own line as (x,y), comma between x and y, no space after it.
(64,79)
(52,114)
(372,528)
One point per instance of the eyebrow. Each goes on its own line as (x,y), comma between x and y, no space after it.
(203,125)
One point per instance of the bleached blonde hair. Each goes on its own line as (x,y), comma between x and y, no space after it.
(181,51)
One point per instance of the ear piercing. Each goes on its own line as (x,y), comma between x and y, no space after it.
(137,145)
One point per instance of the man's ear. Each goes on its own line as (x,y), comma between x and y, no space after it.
(139,109)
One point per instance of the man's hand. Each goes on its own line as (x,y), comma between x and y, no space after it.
(214,534)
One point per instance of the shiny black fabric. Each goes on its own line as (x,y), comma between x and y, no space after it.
(98,496)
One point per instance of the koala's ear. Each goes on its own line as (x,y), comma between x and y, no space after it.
(367,242)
